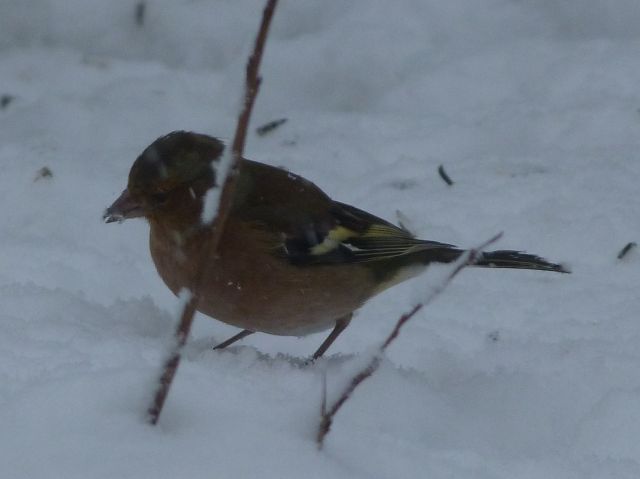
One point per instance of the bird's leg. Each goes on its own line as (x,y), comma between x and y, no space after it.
(340,326)
(233,339)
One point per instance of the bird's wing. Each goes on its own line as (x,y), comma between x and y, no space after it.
(309,228)
(354,236)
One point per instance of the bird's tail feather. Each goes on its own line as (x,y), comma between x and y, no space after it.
(518,260)
(496,259)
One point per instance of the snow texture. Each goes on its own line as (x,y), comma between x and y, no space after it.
(532,108)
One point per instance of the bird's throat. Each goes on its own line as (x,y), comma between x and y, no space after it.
(177,253)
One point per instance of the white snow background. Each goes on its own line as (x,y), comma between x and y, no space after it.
(533,109)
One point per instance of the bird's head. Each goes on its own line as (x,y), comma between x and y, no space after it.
(168,180)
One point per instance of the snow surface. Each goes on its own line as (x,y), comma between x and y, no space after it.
(532,107)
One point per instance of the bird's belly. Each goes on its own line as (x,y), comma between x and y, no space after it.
(279,299)
(253,289)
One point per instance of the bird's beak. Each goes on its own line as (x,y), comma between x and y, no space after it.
(123,208)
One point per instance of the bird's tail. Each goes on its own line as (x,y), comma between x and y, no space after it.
(361,237)
(495,259)
(518,260)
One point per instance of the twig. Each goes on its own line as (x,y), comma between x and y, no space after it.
(269,127)
(443,174)
(209,250)
(628,247)
(328,414)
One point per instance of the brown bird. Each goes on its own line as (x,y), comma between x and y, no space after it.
(292,261)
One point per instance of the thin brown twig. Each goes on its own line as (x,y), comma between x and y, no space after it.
(209,251)
(328,414)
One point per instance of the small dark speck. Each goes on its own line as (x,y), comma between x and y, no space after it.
(5,100)
(141,8)
(403,184)
(271,126)
(625,251)
(525,170)
(445,177)
(43,172)
(494,336)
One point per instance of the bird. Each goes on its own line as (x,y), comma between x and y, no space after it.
(291,261)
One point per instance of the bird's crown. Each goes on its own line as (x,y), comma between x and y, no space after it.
(174,160)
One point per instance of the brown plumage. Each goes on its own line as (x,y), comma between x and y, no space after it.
(292,261)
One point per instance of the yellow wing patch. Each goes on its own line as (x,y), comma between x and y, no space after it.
(356,237)
(376,242)
(333,240)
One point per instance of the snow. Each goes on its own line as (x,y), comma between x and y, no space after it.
(212,198)
(532,108)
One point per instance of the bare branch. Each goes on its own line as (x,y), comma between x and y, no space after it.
(228,181)
(328,414)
